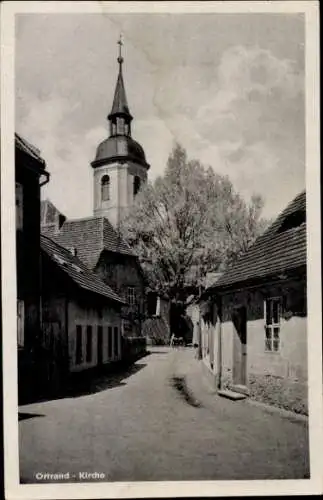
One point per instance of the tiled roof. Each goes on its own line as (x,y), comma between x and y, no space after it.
(49,214)
(272,253)
(28,148)
(76,270)
(90,236)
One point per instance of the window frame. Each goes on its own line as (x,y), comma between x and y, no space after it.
(19,206)
(136,184)
(105,184)
(131,296)
(79,345)
(110,341)
(270,327)
(89,343)
(116,341)
(20,324)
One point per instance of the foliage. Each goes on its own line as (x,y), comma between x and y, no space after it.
(189,222)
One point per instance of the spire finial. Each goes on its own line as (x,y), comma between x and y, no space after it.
(120,43)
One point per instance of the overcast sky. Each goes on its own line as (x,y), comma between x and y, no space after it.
(228,87)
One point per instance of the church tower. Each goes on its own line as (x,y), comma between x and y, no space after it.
(120,166)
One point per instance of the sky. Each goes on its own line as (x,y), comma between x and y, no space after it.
(227,87)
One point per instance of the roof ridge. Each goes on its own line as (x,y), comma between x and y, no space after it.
(271,250)
(88,274)
(35,152)
(80,219)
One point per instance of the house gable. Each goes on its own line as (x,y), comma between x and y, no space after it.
(281,249)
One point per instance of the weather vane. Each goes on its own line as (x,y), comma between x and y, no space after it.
(120,43)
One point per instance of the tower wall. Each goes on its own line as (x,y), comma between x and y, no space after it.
(121,189)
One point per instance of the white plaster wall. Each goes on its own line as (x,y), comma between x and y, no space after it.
(121,189)
(289,362)
(79,316)
(107,208)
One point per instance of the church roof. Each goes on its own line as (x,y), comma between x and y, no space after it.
(90,236)
(120,103)
(76,270)
(119,147)
(282,248)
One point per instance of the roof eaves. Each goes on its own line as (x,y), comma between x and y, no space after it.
(256,281)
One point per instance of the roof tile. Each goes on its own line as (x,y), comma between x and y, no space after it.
(90,236)
(76,270)
(273,252)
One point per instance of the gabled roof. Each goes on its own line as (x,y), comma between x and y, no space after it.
(76,270)
(29,149)
(275,252)
(90,236)
(49,214)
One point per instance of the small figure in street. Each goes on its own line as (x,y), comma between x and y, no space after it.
(195,340)
(172,340)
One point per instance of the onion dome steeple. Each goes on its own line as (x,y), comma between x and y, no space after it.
(119,146)
(120,117)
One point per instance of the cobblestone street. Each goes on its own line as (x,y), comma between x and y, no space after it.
(138,427)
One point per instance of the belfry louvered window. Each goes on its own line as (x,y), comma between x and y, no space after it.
(136,184)
(105,188)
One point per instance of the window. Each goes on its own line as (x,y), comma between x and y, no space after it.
(113,129)
(110,342)
(127,128)
(293,220)
(116,341)
(88,343)
(105,188)
(79,345)
(272,326)
(19,206)
(20,323)
(100,344)
(120,126)
(131,296)
(136,185)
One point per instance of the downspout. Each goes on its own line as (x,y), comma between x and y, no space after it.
(40,278)
(45,181)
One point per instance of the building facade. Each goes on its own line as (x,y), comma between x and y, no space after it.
(102,250)
(254,319)
(81,317)
(30,175)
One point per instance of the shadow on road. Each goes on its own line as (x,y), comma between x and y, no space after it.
(25,416)
(158,352)
(89,382)
(179,383)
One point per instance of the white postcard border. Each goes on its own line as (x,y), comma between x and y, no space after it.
(14,490)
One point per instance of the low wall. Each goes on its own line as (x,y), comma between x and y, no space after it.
(133,348)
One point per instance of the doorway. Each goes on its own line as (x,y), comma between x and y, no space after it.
(239,320)
(100,345)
